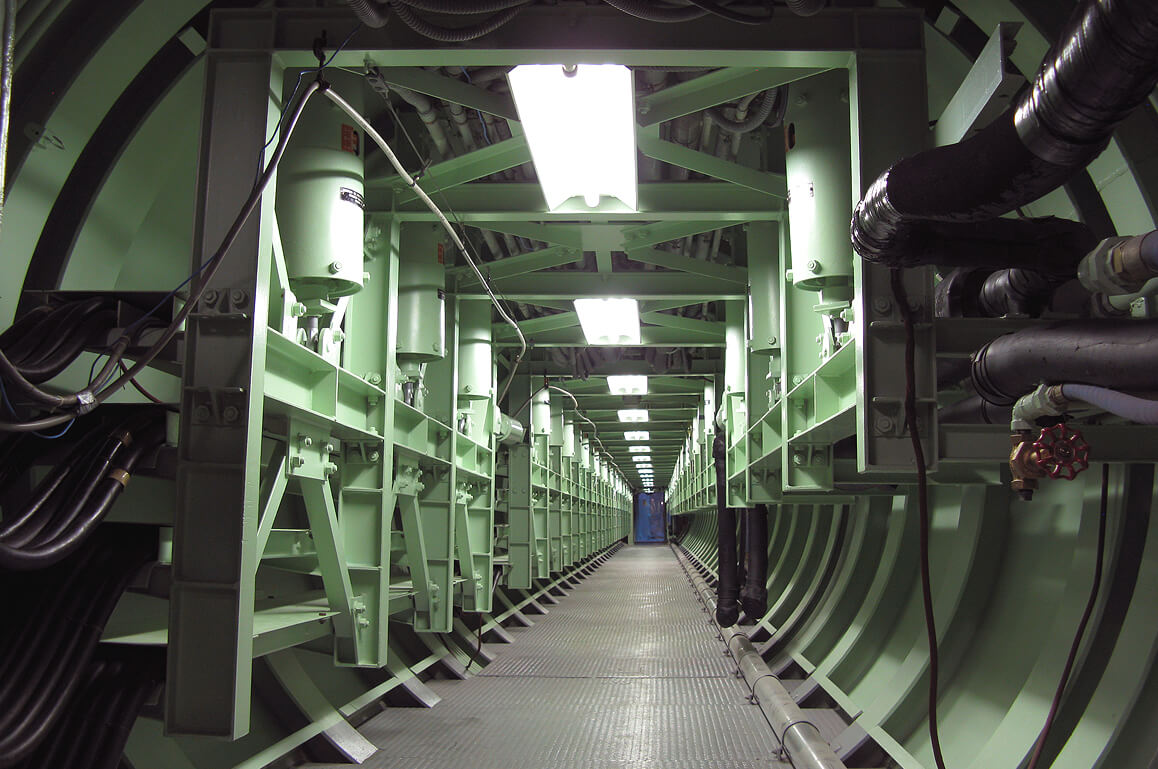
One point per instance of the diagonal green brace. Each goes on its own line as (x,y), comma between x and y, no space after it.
(451,90)
(686,264)
(710,329)
(714,88)
(538,325)
(470,167)
(701,162)
(518,265)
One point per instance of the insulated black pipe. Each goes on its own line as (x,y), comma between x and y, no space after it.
(754,593)
(727,588)
(1103,66)
(974,410)
(1122,354)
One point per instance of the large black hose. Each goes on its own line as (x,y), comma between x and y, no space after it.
(452,34)
(464,7)
(727,587)
(806,7)
(1122,354)
(754,593)
(369,12)
(1103,66)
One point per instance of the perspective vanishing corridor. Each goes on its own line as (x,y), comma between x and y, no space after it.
(626,671)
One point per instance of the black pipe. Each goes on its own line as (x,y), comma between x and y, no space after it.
(641,9)
(452,34)
(1016,292)
(974,410)
(727,588)
(1103,66)
(1122,354)
(754,593)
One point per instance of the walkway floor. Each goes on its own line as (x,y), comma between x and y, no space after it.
(624,673)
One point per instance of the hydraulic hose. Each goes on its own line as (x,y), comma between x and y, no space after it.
(1109,353)
(754,593)
(642,9)
(464,7)
(368,12)
(974,410)
(1103,66)
(727,588)
(806,7)
(452,34)
(1141,410)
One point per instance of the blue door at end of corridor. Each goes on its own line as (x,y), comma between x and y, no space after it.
(650,518)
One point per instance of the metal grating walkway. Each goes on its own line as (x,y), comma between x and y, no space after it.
(624,672)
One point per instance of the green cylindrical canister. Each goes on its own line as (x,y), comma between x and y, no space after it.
(475,369)
(421,278)
(320,194)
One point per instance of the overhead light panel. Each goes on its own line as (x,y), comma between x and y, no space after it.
(643,467)
(627,384)
(609,321)
(638,449)
(580,125)
(637,435)
(642,458)
(632,415)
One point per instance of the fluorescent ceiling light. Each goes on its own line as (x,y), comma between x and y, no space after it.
(643,467)
(632,415)
(639,449)
(637,435)
(627,384)
(642,458)
(609,321)
(580,125)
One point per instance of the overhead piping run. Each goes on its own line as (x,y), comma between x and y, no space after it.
(1103,66)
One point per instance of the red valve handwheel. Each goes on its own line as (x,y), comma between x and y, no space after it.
(1062,452)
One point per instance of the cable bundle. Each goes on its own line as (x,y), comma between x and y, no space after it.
(64,509)
(58,618)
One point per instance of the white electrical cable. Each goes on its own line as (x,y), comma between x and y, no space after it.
(369,129)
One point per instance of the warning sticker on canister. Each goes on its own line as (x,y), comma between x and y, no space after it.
(352,196)
(441,254)
(349,139)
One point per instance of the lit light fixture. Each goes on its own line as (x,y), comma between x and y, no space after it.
(642,458)
(609,321)
(638,449)
(627,384)
(643,467)
(632,415)
(580,125)
(637,435)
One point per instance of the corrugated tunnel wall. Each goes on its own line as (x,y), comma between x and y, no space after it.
(1010,581)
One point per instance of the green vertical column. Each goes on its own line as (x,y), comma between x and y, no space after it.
(540,486)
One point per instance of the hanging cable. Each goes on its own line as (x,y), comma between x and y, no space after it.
(6,67)
(902,301)
(1092,601)
(726,13)
(452,34)
(454,236)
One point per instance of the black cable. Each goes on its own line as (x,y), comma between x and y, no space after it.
(452,34)
(902,300)
(464,7)
(1039,745)
(726,13)
(641,9)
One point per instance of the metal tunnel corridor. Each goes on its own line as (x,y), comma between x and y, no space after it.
(626,671)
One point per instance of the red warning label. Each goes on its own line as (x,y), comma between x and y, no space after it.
(349,139)
(441,254)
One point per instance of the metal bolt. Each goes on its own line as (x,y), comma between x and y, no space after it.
(374,378)
(210,296)
(375,456)
(798,458)
(335,268)
(339,335)
(813,265)
(819,460)
(305,440)
(797,380)
(296,462)
(231,413)
(884,425)
(882,305)
(297,310)
(201,414)
(238,296)
(329,448)
(329,469)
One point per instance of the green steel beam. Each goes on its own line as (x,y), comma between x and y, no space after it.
(667,320)
(701,267)
(452,90)
(652,286)
(717,202)
(469,167)
(649,143)
(521,264)
(537,325)
(714,88)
